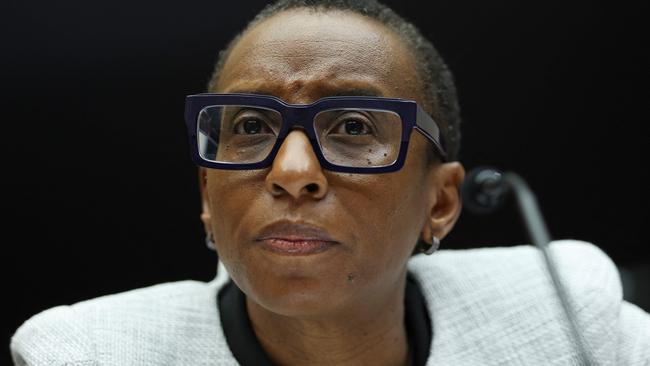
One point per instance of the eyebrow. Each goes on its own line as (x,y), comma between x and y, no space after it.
(356,92)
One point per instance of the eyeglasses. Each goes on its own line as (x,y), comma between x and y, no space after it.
(348,134)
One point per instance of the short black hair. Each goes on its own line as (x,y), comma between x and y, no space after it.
(440,93)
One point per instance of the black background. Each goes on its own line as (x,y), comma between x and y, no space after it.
(100,195)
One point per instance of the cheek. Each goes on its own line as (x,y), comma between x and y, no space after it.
(402,211)
(396,202)
(386,214)
(233,199)
(231,194)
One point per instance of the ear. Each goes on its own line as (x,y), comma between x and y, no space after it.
(444,200)
(205,202)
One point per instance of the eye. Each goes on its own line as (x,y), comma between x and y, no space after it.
(251,125)
(353,125)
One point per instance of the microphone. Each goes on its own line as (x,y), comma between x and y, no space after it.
(485,190)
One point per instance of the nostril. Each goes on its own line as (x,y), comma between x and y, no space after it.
(277,188)
(312,187)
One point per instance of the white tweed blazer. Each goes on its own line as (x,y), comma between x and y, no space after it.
(491,306)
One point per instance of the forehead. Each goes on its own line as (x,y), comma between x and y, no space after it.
(301,55)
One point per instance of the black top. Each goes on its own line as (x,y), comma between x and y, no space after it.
(247,349)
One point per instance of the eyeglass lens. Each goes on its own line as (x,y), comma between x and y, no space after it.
(347,137)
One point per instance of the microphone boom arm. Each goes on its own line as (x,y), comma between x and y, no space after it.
(485,190)
(538,233)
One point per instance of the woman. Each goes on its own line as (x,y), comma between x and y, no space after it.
(327,174)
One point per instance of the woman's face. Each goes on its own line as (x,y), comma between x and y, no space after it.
(300,240)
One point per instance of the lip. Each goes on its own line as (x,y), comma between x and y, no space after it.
(295,238)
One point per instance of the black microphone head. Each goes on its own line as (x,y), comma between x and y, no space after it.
(484,190)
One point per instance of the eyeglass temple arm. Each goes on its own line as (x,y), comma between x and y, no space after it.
(429,128)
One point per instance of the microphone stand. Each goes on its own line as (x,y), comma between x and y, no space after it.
(492,186)
(538,233)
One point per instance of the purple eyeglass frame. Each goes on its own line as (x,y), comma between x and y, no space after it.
(411,114)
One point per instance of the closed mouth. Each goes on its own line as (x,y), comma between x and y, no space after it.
(295,238)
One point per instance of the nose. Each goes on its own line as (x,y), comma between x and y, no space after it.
(296,170)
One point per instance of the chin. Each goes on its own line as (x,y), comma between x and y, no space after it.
(301,304)
(298,285)
(300,296)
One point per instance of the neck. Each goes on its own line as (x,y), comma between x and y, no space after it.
(372,332)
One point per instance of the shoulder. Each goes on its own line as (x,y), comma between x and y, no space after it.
(143,324)
(634,340)
(506,294)
(584,266)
